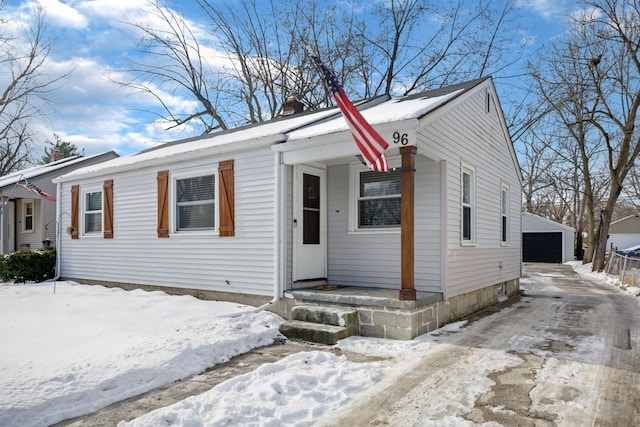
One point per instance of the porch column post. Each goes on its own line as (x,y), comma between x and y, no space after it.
(407,291)
(4,224)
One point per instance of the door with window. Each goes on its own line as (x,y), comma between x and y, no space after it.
(309,225)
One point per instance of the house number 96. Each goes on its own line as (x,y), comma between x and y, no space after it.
(400,138)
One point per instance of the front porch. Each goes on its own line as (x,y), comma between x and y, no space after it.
(381,313)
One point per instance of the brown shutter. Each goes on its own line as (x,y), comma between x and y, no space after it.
(163,204)
(75,199)
(226,209)
(108,209)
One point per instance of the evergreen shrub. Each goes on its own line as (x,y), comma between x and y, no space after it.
(28,266)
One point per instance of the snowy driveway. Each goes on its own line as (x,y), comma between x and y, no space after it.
(570,353)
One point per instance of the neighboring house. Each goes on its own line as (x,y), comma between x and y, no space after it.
(28,220)
(624,233)
(274,211)
(544,240)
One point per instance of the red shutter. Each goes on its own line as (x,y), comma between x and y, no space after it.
(226,201)
(108,209)
(75,199)
(163,204)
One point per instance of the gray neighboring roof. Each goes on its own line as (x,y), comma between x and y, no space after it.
(48,168)
(627,225)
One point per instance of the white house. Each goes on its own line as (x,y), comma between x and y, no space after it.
(624,233)
(277,212)
(544,240)
(28,220)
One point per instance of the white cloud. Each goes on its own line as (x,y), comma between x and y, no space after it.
(546,8)
(92,38)
(63,15)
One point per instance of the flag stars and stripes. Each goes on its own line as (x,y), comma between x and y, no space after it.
(24,183)
(369,142)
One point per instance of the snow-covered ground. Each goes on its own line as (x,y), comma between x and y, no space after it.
(585,270)
(72,352)
(81,348)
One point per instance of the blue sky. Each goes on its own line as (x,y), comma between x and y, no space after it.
(92,38)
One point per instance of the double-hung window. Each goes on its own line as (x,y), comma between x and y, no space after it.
(27,215)
(92,212)
(504,215)
(468,204)
(377,201)
(195,203)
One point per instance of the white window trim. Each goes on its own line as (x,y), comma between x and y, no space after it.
(174,176)
(504,189)
(354,188)
(24,215)
(471,171)
(83,209)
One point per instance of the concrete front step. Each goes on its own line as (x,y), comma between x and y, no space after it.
(328,315)
(314,332)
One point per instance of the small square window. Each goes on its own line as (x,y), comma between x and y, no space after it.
(379,199)
(195,203)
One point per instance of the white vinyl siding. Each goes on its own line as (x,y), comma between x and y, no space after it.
(466,132)
(243,263)
(373,259)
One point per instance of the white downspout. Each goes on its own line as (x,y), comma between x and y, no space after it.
(278,241)
(58,233)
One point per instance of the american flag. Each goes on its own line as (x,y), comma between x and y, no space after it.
(369,142)
(35,190)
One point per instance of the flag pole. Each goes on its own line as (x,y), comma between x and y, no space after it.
(13,190)
(369,142)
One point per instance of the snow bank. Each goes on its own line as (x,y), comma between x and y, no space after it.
(294,391)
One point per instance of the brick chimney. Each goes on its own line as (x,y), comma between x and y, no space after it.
(292,106)
(55,155)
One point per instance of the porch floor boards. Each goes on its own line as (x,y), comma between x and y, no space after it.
(359,296)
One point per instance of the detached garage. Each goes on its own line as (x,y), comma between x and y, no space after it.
(544,240)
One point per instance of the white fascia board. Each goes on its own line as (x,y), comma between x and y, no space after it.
(340,144)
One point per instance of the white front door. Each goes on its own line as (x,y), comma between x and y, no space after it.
(309,224)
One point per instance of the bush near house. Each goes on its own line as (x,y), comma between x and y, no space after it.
(28,266)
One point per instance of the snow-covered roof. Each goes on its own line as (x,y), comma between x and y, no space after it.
(38,170)
(391,111)
(261,134)
(377,111)
(532,222)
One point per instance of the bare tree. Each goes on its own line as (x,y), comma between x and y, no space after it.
(27,87)
(374,49)
(418,45)
(173,64)
(592,82)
